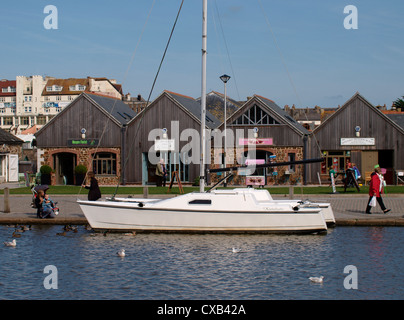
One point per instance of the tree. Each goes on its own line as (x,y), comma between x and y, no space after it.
(399,103)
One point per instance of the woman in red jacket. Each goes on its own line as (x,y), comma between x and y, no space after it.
(376,189)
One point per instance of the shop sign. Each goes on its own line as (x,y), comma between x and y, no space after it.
(164,145)
(358,141)
(255,141)
(83,142)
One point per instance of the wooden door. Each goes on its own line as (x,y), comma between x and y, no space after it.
(369,160)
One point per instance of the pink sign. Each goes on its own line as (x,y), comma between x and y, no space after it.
(250,162)
(255,141)
(255,180)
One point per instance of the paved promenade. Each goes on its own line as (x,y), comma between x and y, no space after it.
(348,210)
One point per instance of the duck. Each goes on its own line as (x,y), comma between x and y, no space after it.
(236,250)
(16,235)
(11,243)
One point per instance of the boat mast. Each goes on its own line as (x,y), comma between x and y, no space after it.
(203,96)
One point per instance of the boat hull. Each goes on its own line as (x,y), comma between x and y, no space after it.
(164,215)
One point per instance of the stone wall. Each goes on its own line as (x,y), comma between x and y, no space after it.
(84,156)
(234,157)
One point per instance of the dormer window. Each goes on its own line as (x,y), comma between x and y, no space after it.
(8,89)
(77,87)
(54,88)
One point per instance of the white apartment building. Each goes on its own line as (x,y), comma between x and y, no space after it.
(30,102)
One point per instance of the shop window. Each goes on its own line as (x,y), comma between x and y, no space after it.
(337,160)
(104,163)
(291,158)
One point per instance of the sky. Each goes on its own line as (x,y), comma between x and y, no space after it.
(294,52)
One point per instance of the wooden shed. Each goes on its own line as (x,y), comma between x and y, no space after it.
(276,136)
(357,133)
(89,131)
(169,129)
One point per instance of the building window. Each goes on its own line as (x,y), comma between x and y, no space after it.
(77,87)
(8,121)
(104,163)
(292,158)
(24,121)
(54,88)
(255,116)
(336,160)
(41,120)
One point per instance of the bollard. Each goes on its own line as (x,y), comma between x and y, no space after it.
(145,192)
(290,192)
(6,200)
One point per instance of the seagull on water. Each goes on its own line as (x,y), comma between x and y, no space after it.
(317,279)
(121,253)
(236,250)
(11,243)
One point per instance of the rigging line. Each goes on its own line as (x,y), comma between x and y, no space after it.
(285,66)
(124,80)
(227,50)
(151,91)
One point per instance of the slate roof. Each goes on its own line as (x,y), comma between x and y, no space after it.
(398,118)
(194,107)
(284,115)
(118,109)
(8,138)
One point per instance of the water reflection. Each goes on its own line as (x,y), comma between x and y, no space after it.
(170,266)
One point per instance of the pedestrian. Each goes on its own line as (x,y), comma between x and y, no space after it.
(376,190)
(160,168)
(95,192)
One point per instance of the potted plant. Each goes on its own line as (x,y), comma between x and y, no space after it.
(45,171)
(80,173)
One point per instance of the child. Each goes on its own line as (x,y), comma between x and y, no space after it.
(47,207)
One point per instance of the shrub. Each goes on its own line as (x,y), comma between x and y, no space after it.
(45,169)
(80,169)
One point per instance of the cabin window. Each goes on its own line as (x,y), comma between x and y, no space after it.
(200,201)
(104,163)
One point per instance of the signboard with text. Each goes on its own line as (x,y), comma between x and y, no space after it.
(82,142)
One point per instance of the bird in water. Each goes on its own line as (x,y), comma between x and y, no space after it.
(236,250)
(121,253)
(317,279)
(11,243)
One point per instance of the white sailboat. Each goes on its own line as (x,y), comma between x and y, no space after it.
(234,211)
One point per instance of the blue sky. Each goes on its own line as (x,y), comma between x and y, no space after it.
(321,63)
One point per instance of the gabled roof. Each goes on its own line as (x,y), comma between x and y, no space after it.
(8,138)
(215,105)
(194,107)
(277,112)
(397,117)
(5,84)
(116,108)
(357,95)
(118,111)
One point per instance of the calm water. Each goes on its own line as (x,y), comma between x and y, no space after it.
(202,266)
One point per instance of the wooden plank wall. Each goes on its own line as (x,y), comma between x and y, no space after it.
(357,112)
(158,115)
(80,114)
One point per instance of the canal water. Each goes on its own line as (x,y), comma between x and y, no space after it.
(85,265)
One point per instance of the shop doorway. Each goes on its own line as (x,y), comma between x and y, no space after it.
(64,164)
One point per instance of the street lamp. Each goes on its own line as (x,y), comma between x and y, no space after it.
(225,78)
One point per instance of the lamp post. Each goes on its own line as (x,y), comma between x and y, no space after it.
(225,78)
